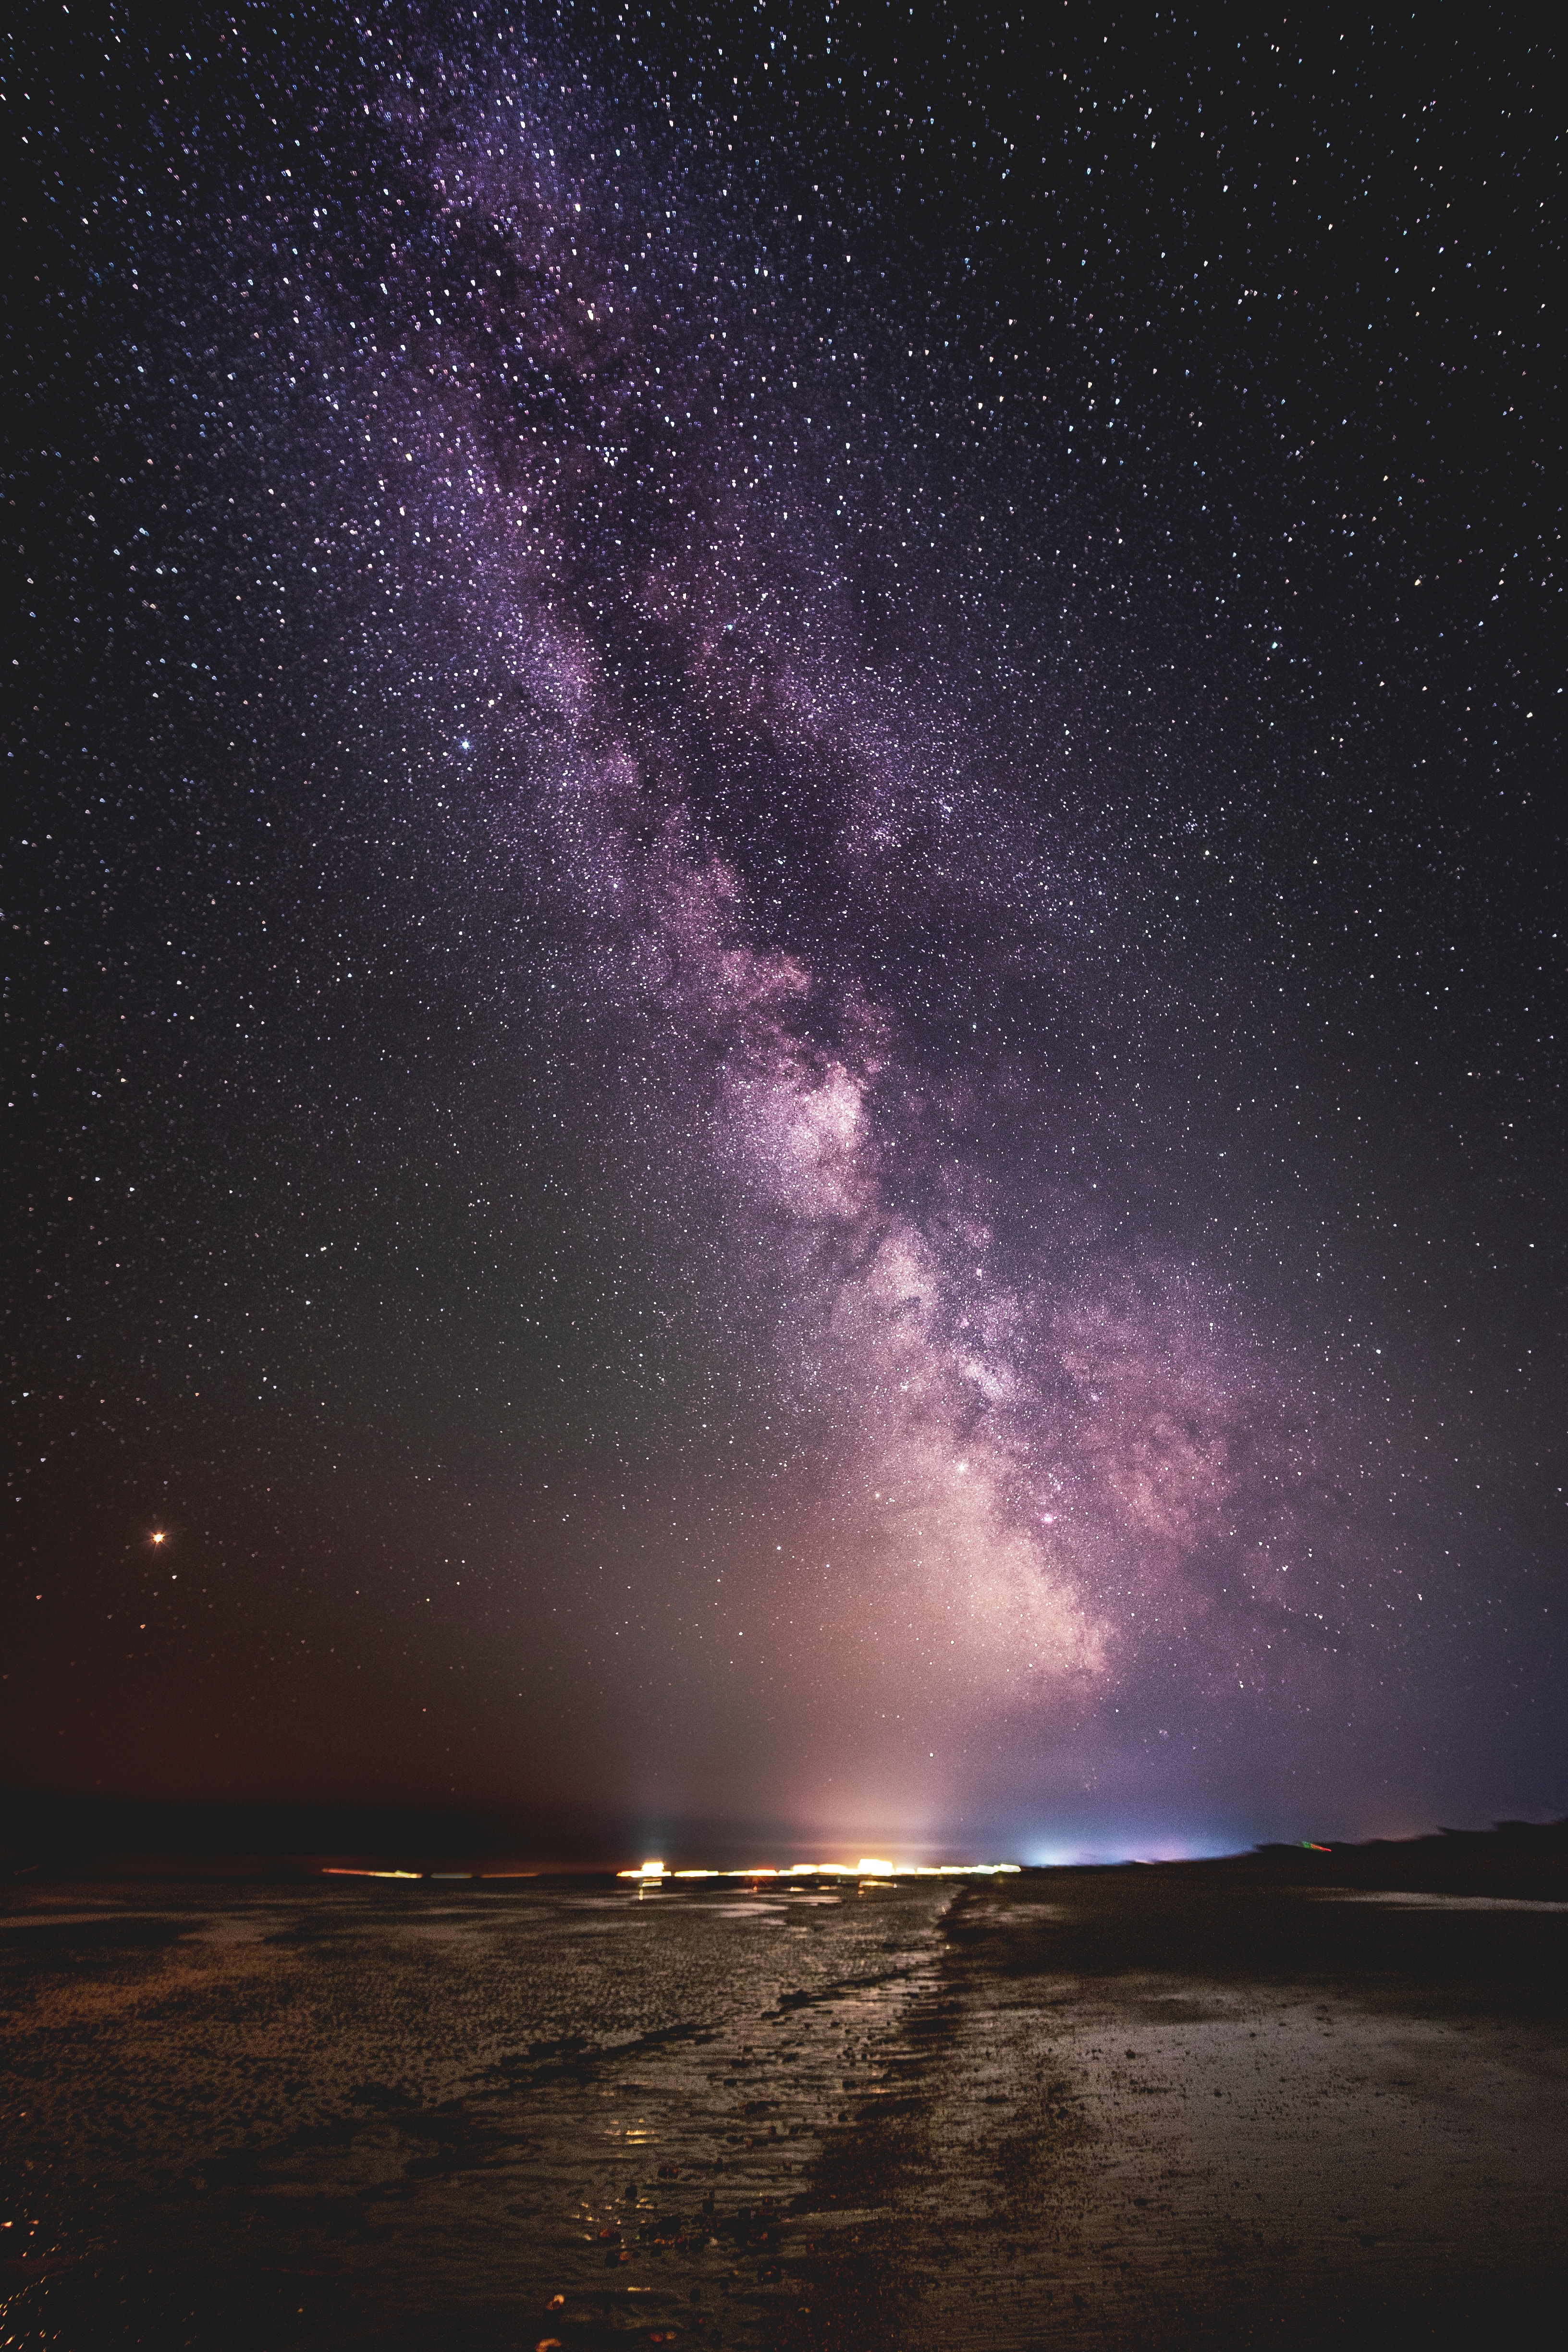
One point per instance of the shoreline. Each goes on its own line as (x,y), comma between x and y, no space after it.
(1220,2109)
(1180,2105)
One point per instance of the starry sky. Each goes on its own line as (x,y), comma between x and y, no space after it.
(783,907)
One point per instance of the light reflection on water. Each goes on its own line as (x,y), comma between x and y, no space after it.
(369,2110)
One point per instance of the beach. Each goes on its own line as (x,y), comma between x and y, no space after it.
(1200,2104)
(1152,2108)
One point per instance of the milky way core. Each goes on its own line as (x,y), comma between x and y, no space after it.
(786,926)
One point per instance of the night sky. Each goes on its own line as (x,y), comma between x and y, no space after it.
(785,1007)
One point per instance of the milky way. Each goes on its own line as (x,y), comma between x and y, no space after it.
(787,929)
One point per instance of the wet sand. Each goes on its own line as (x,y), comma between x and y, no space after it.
(1111,2108)
(413,2115)
(1183,2108)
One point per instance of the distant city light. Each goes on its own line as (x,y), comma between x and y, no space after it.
(334,1870)
(868,1866)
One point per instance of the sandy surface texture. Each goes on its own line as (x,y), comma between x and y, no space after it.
(1119,2108)
(414,2115)
(1151,2108)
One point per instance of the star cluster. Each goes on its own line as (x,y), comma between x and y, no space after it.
(784,921)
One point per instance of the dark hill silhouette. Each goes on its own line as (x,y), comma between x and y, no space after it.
(1520,1860)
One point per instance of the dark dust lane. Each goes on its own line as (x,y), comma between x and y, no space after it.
(410,2116)
(1208,2105)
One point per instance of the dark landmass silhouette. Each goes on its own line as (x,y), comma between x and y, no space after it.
(1520,1860)
(51,1831)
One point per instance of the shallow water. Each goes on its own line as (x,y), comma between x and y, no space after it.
(395,2115)
(1089,2109)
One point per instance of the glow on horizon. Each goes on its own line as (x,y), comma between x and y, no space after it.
(335,1870)
(650,1874)
(1103,1850)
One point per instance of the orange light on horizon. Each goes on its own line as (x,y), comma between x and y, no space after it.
(334,1870)
(869,1866)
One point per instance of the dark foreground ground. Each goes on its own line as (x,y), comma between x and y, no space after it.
(1172,2109)
(1228,2104)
